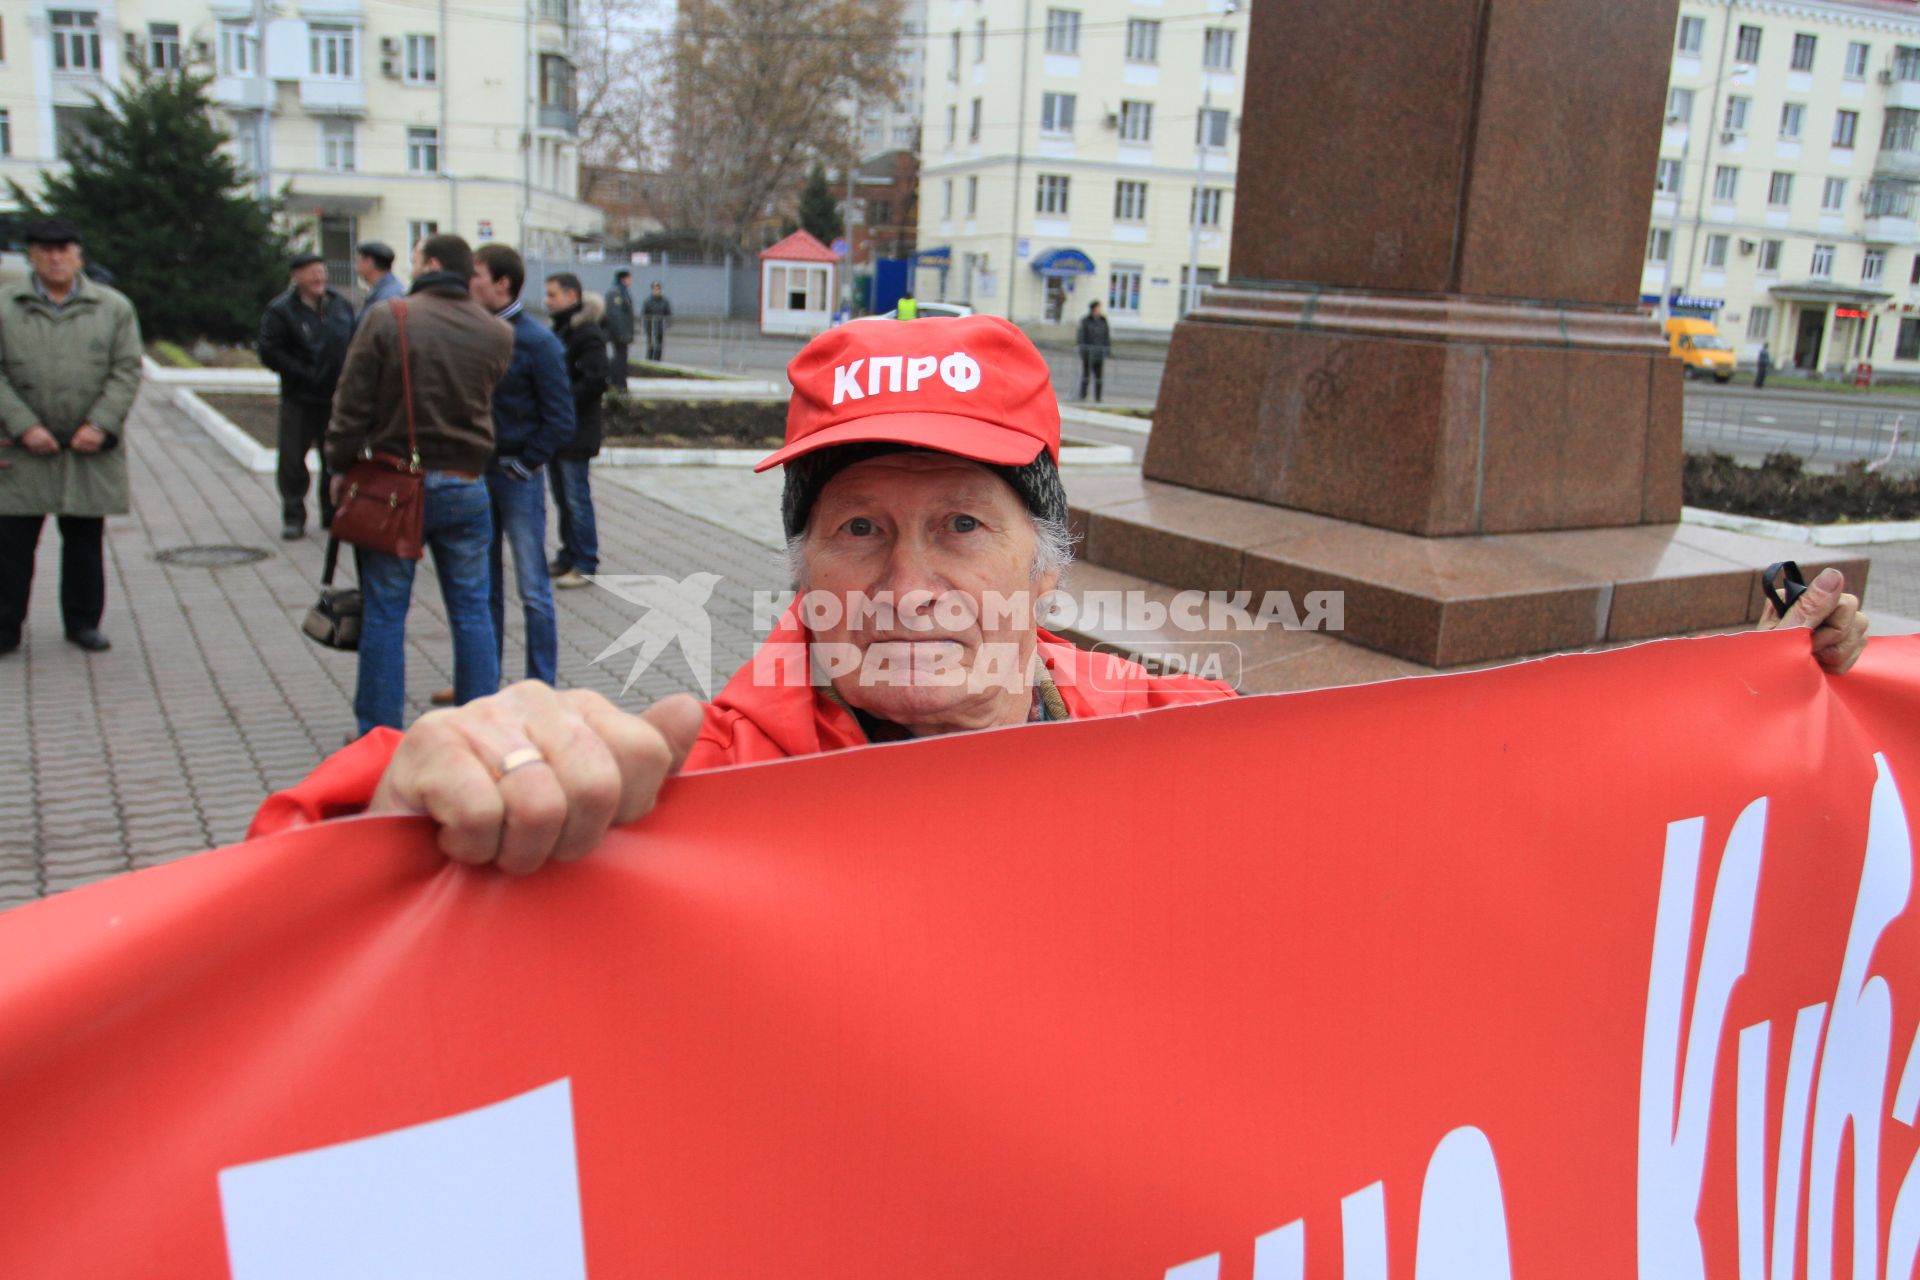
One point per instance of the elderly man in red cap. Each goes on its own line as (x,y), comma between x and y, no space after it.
(925,517)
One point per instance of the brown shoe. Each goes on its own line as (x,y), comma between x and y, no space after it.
(444,698)
(571,578)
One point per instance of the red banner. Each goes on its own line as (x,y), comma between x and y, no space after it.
(1596,966)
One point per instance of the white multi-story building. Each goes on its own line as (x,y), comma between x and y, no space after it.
(1784,205)
(377,119)
(1072,161)
(895,125)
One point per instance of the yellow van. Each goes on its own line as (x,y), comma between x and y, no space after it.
(1698,345)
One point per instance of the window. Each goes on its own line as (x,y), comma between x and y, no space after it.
(1693,33)
(1906,62)
(330,52)
(69,130)
(1123,287)
(1803,45)
(1873,266)
(422,62)
(1204,207)
(1833,196)
(1907,346)
(1216,50)
(556,82)
(1845,124)
(420,229)
(1210,130)
(163,46)
(246,149)
(953,124)
(1899,132)
(1056,113)
(1659,244)
(1143,40)
(1726,182)
(1063,31)
(1052,194)
(1889,200)
(1129,201)
(555,10)
(1780,190)
(239,49)
(6,131)
(1822,262)
(1717,251)
(336,146)
(973,121)
(880,213)
(980,40)
(1770,255)
(423,151)
(1136,122)
(973,194)
(1747,47)
(953,56)
(1736,118)
(946,198)
(76,39)
(1666,179)
(1679,105)
(1857,55)
(1792,116)
(1759,324)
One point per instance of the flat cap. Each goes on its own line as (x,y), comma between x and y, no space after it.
(50,231)
(304,260)
(381,254)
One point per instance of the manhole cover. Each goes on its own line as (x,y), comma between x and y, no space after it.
(210,557)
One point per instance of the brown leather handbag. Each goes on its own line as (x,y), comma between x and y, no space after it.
(384,507)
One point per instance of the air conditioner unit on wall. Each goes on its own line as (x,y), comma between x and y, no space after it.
(389,45)
(390,68)
(1111,120)
(1728,137)
(1748,246)
(1886,77)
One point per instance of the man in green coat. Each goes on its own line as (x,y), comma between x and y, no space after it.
(69,369)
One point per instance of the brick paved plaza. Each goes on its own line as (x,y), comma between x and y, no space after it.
(211,697)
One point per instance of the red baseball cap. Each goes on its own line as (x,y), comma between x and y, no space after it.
(973,386)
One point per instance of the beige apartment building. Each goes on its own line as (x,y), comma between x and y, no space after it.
(1784,204)
(377,119)
(1074,160)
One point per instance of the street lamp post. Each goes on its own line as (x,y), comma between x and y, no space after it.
(1200,170)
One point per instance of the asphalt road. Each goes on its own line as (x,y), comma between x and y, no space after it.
(1827,428)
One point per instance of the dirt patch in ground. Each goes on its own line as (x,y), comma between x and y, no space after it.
(1781,488)
(258,416)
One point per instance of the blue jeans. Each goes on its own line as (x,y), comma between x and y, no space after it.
(573,499)
(459,525)
(520,522)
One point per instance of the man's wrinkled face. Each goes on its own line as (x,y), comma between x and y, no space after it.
(55,264)
(311,279)
(948,547)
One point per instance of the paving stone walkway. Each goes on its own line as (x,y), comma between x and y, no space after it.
(211,697)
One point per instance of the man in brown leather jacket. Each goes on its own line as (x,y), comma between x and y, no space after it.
(458,353)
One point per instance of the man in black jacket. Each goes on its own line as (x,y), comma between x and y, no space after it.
(1094,346)
(576,322)
(303,338)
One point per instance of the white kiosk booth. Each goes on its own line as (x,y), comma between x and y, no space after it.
(799,282)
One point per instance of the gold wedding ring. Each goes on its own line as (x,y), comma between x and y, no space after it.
(519,760)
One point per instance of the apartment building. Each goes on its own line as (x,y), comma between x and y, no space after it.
(376,119)
(1087,157)
(1785,200)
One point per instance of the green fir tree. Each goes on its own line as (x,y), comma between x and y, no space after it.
(162,207)
(819,211)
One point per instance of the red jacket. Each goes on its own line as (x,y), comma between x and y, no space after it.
(758,719)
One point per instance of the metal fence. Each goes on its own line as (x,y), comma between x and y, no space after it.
(1824,436)
(697,290)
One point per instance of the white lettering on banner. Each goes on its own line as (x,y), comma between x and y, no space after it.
(1838,1086)
(958,370)
(846,382)
(1462,1235)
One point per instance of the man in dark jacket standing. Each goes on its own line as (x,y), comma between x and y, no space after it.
(532,417)
(1094,346)
(619,325)
(576,322)
(458,353)
(653,318)
(303,338)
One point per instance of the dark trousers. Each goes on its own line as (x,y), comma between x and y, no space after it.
(1760,377)
(1091,365)
(617,371)
(301,429)
(83,574)
(656,341)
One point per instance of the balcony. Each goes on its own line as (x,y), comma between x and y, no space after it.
(1903,92)
(243,93)
(1889,213)
(334,97)
(561,118)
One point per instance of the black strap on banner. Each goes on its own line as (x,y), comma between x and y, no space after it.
(1792,586)
(332,562)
